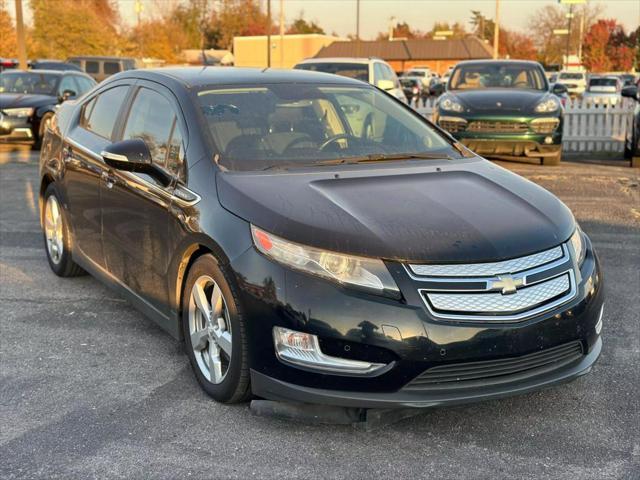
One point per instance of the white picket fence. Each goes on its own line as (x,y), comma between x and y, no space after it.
(588,127)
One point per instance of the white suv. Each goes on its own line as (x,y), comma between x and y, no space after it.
(372,70)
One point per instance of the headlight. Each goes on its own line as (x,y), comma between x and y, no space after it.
(548,105)
(450,105)
(18,112)
(367,273)
(577,242)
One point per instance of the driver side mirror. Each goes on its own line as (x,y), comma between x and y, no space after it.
(66,95)
(385,85)
(630,91)
(559,89)
(134,156)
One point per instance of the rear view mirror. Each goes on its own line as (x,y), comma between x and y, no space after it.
(385,84)
(559,89)
(133,156)
(630,91)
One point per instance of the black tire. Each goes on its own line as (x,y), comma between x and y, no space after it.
(236,385)
(553,159)
(64,266)
(46,118)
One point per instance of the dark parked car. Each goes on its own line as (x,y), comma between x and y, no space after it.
(632,141)
(413,89)
(28,100)
(503,109)
(311,238)
(53,65)
(102,67)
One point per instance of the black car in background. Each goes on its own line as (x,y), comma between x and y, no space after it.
(632,141)
(413,89)
(312,239)
(28,100)
(504,109)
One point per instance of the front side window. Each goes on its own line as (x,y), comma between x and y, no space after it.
(68,83)
(100,114)
(497,75)
(29,82)
(262,127)
(151,119)
(84,84)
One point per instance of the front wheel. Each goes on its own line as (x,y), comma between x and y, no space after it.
(214,333)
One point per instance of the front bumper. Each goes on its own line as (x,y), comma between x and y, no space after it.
(405,335)
(273,389)
(15,129)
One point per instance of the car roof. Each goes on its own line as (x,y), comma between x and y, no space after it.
(342,60)
(42,70)
(492,61)
(205,76)
(98,57)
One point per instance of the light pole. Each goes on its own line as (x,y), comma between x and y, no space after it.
(22,47)
(496,31)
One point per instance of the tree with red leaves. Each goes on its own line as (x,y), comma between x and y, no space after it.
(516,45)
(606,48)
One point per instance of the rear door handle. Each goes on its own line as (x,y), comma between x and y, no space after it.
(109,179)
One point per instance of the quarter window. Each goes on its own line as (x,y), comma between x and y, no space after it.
(100,114)
(153,119)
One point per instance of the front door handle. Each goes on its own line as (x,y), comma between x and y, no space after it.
(109,179)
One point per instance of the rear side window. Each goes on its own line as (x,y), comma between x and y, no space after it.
(111,67)
(100,114)
(153,119)
(91,66)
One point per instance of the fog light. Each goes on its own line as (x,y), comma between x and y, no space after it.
(548,140)
(303,350)
(599,324)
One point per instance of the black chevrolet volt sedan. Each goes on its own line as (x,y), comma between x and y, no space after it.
(310,238)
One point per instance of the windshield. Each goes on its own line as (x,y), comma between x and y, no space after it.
(571,76)
(497,75)
(256,128)
(28,82)
(359,71)
(603,82)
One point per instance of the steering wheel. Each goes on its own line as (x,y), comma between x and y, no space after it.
(296,141)
(335,138)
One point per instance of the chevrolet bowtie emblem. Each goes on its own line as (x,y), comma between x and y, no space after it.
(507,284)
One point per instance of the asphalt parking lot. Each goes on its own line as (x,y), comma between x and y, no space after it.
(92,389)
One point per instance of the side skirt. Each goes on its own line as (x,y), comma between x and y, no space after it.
(171,325)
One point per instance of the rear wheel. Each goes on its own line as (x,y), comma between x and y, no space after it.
(554,159)
(214,333)
(56,237)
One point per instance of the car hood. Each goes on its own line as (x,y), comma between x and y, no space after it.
(25,100)
(463,211)
(500,100)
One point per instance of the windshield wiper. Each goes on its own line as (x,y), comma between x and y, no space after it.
(383,157)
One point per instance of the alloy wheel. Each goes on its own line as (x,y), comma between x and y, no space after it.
(53,229)
(210,329)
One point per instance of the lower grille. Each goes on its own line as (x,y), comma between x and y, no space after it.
(497,371)
(497,126)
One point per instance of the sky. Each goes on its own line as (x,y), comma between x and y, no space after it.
(339,16)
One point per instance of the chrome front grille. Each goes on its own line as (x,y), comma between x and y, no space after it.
(497,126)
(505,291)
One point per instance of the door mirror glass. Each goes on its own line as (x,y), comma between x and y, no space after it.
(559,89)
(385,84)
(630,91)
